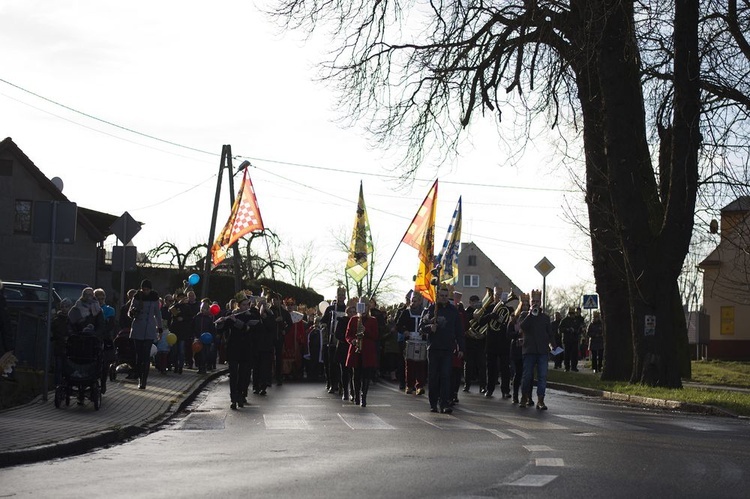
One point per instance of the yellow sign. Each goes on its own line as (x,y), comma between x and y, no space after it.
(727,320)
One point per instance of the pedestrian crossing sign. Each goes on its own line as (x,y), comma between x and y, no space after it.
(590,302)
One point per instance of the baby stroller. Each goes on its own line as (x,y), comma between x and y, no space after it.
(124,353)
(82,370)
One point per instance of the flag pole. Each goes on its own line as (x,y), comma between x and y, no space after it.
(212,230)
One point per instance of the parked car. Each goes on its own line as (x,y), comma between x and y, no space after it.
(71,290)
(27,307)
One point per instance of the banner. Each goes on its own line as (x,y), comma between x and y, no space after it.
(244,218)
(361,245)
(448,257)
(424,225)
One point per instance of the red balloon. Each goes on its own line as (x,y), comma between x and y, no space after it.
(197,346)
(214,309)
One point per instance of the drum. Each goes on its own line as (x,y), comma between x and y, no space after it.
(416,350)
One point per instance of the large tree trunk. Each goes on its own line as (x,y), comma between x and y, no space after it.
(640,235)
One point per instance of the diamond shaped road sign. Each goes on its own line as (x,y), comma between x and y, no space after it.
(125,228)
(544,267)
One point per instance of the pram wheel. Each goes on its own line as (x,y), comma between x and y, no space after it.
(59,395)
(96,396)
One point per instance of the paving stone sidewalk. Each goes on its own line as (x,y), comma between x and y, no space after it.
(38,431)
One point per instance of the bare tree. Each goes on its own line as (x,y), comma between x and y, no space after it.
(304,265)
(191,258)
(418,76)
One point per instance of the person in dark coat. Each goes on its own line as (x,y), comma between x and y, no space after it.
(60,329)
(362,336)
(203,322)
(263,330)
(537,343)
(282,325)
(595,334)
(342,351)
(332,315)
(442,325)
(236,337)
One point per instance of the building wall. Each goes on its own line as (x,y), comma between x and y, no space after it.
(20,257)
(726,299)
(489,274)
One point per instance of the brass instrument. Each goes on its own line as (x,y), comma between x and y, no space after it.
(503,313)
(360,334)
(474,331)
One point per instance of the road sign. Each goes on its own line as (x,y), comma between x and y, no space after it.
(544,267)
(590,302)
(124,258)
(125,228)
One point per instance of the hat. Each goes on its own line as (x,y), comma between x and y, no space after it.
(473,298)
(146,284)
(66,302)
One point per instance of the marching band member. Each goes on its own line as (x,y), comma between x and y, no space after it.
(444,331)
(475,359)
(236,335)
(497,345)
(263,328)
(408,324)
(332,315)
(342,350)
(283,323)
(362,336)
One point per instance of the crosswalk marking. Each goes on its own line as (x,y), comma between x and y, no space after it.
(549,461)
(365,422)
(521,434)
(285,422)
(531,424)
(699,426)
(499,434)
(445,422)
(534,480)
(607,424)
(538,448)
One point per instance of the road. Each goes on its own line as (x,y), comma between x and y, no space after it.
(300,441)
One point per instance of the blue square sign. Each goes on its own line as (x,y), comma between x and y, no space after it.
(590,302)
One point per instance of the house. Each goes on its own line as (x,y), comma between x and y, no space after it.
(476,271)
(21,184)
(726,275)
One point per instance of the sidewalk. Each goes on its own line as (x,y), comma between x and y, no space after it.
(38,431)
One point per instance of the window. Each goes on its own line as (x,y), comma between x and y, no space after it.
(472,261)
(22,219)
(471,281)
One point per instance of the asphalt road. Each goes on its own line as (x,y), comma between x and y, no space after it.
(299,441)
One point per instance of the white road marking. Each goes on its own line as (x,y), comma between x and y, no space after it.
(285,422)
(446,422)
(365,422)
(499,434)
(607,424)
(531,424)
(521,434)
(538,448)
(699,426)
(534,480)
(549,461)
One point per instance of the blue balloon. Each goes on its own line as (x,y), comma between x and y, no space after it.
(207,338)
(194,279)
(108,311)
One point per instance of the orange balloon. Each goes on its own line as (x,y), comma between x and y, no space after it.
(197,346)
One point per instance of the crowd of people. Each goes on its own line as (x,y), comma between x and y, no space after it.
(434,348)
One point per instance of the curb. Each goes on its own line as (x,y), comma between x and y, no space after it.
(77,446)
(638,400)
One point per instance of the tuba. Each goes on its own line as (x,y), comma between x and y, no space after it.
(503,313)
(475,332)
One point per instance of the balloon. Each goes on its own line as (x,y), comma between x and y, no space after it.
(207,338)
(322,306)
(194,279)
(197,346)
(153,350)
(171,339)
(214,309)
(108,311)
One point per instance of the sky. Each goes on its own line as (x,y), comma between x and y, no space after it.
(130,103)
